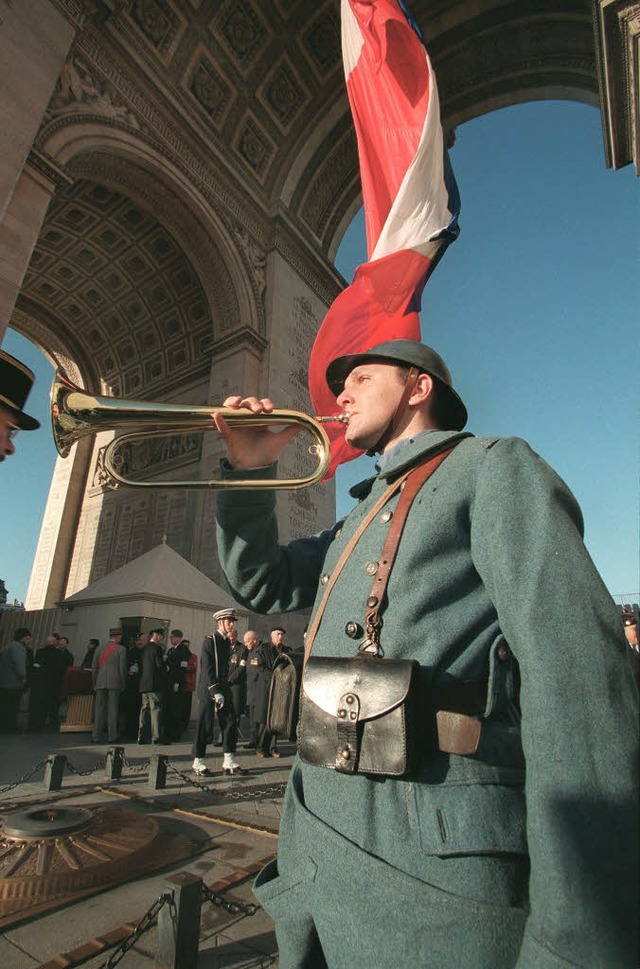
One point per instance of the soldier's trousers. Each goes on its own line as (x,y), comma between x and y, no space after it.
(105,715)
(337,906)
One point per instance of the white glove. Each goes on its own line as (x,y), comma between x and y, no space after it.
(176,687)
(218,699)
(243,662)
(184,664)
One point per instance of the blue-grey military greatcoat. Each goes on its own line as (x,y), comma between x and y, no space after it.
(522,854)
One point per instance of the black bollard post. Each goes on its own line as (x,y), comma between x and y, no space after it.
(113,766)
(158,772)
(53,771)
(179,923)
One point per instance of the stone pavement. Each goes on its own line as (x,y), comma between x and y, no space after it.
(233,821)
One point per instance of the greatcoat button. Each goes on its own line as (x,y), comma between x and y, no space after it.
(386,516)
(354,630)
(324,579)
(371,568)
(503,653)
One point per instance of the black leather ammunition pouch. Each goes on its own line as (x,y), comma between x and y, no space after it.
(360,715)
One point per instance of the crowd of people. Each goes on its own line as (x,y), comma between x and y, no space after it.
(144,691)
(235,679)
(31,682)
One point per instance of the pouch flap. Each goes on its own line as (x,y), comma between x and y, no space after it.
(379,684)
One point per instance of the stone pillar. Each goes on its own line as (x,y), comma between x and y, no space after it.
(296,311)
(51,564)
(20,229)
(33,33)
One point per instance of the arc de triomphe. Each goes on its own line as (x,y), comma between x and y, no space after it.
(175,179)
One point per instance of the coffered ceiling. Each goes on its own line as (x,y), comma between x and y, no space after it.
(244,100)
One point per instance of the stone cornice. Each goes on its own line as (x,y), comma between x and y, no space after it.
(47,166)
(72,10)
(241,339)
(323,278)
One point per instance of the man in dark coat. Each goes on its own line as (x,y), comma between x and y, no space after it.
(214,697)
(238,677)
(266,655)
(251,643)
(176,662)
(152,679)
(49,668)
(131,698)
(514,843)
(87,661)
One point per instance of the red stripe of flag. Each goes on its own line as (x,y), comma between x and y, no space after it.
(410,198)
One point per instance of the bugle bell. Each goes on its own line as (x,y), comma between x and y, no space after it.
(76,414)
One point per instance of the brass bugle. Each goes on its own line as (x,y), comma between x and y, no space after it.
(76,414)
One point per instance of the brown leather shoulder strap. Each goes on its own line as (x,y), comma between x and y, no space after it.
(346,552)
(410,482)
(410,489)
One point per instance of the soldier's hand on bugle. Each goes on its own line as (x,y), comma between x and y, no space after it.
(252,447)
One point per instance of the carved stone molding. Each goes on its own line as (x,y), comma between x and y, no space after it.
(150,458)
(79,91)
(255,259)
(49,342)
(43,163)
(73,10)
(617,30)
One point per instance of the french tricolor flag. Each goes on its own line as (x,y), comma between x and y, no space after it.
(411,200)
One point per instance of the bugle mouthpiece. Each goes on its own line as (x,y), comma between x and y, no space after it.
(339,418)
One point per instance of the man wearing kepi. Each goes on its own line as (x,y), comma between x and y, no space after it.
(214,698)
(511,842)
(16,381)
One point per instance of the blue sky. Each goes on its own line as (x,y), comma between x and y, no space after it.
(535,308)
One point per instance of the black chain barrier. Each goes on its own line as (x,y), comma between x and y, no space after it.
(150,916)
(136,770)
(142,926)
(85,773)
(233,795)
(25,777)
(234,908)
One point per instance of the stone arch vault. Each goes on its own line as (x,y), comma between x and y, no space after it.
(178,180)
